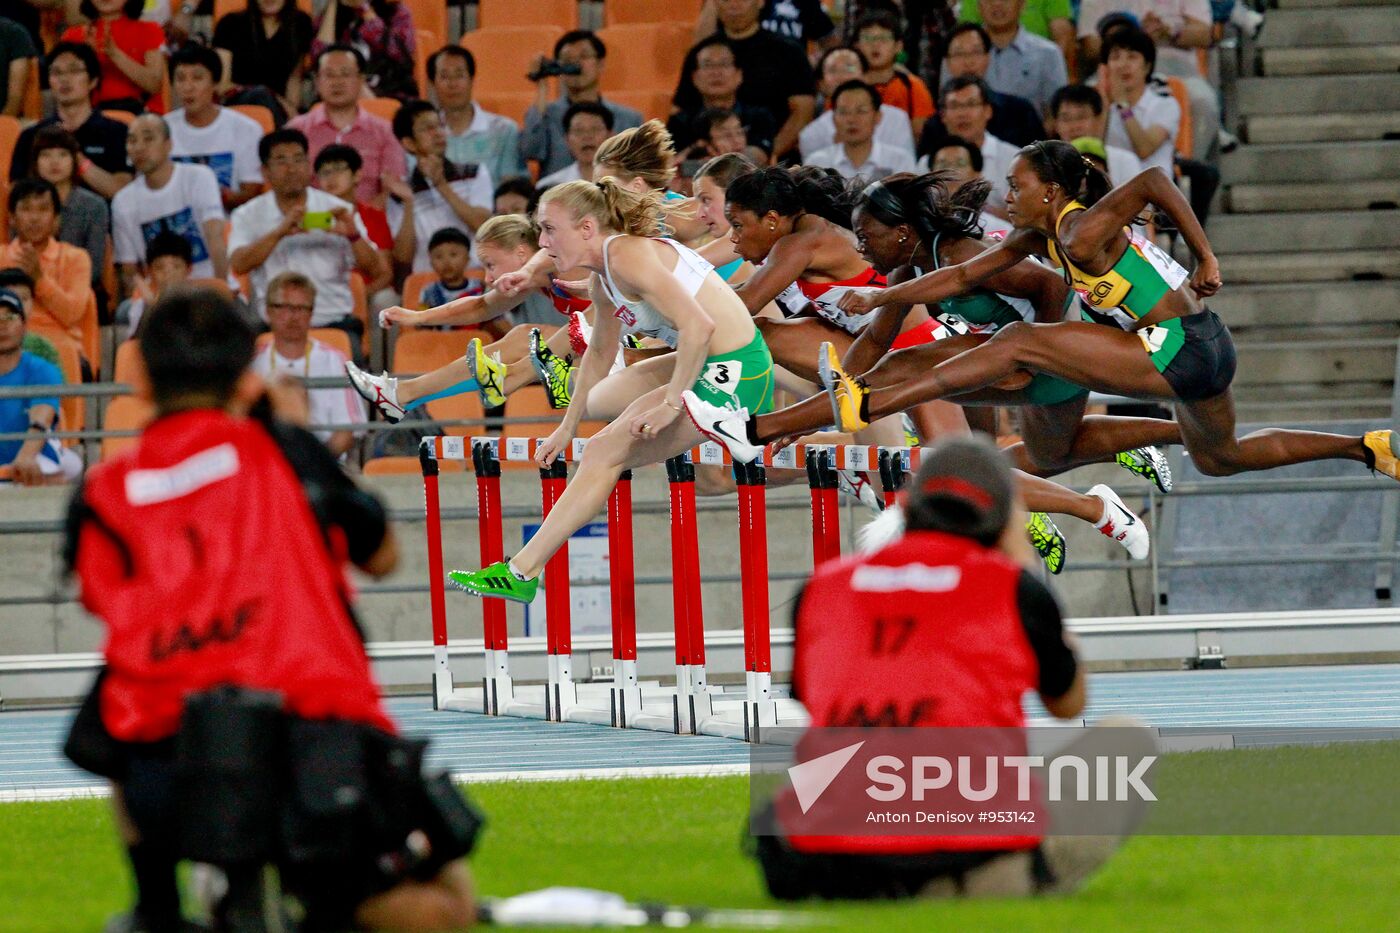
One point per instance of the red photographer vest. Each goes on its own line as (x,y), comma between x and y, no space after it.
(923,633)
(203,558)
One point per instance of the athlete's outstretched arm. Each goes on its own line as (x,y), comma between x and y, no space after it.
(534,274)
(944,283)
(470,309)
(1085,234)
(786,261)
(878,336)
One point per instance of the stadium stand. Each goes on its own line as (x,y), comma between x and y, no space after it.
(511,51)
(494,14)
(257,112)
(656,52)
(624,12)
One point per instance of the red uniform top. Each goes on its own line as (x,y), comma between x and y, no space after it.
(200,552)
(136,38)
(926,632)
(565,303)
(826,296)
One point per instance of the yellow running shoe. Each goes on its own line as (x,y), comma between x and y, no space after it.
(1383,457)
(489,373)
(846,392)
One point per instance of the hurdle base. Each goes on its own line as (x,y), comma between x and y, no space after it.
(497,694)
(624,703)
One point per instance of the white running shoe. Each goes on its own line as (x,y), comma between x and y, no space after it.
(727,426)
(1121,525)
(858,487)
(885,529)
(380,391)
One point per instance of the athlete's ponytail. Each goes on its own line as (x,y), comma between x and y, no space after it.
(613,206)
(788,193)
(825,193)
(646,152)
(923,203)
(1059,162)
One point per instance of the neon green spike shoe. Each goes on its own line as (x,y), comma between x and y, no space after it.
(496,580)
(552,369)
(489,373)
(1149,463)
(1048,541)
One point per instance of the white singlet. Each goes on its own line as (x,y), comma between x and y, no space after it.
(637,316)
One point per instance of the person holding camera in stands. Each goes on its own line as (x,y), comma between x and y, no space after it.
(236,715)
(578,66)
(296,227)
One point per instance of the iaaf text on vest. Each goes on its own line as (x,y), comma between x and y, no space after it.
(1105,778)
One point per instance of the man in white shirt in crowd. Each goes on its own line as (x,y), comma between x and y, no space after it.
(966,111)
(296,227)
(586,127)
(1023,64)
(293,352)
(473,133)
(1076,112)
(834,69)
(439,192)
(963,163)
(204,133)
(857,153)
(166,195)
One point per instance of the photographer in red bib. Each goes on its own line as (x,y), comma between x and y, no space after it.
(237,716)
(960,639)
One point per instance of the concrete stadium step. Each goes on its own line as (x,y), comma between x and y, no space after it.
(1322,127)
(1332,230)
(1330,60)
(1282,404)
(1378,194)
(1330,4)
(1314,94)
(1293,162)
(1320,361)
(1308,304)
(1337,26)
(1340,265)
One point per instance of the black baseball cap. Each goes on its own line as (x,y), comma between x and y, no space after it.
(963,487)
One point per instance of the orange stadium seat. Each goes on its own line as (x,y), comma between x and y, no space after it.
(428,43)
(124,413)
(360,296)
(413,285)
(645,56)
(395,466)
(121,116)
(463,407)
(384,107)
(1185,135)
(492,14)
(257,112)
(626,12)
(129,364)
(421,351)
(429,16)
(70,407)
(651,104)
(510,50)
(32,107)
(331,336)
(9,135)
(530,402)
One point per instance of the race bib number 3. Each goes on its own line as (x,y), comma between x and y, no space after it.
(723,375)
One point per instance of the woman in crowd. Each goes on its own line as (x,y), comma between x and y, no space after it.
(268,42)
(83,220)
(382,31)
(130,50)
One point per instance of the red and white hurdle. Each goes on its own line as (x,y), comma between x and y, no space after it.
(691,707)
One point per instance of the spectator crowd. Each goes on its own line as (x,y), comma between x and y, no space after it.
(311,162)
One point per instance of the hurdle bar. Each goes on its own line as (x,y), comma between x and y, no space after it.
(694,707)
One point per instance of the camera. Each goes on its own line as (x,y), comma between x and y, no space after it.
(553,68)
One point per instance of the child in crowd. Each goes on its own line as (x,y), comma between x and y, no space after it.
(338,174)
(169,261)
(450,253)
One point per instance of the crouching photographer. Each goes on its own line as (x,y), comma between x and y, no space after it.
(237,717)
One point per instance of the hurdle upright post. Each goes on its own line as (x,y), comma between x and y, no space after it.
(626,699)
(686,598)
(497,689)
(437,581)
(826,509)
(892,469)
(759,707)
(560,692)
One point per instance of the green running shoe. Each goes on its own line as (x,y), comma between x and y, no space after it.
(489,373)
(1149,463)
(1048,541)
(552,369)
(496,580)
